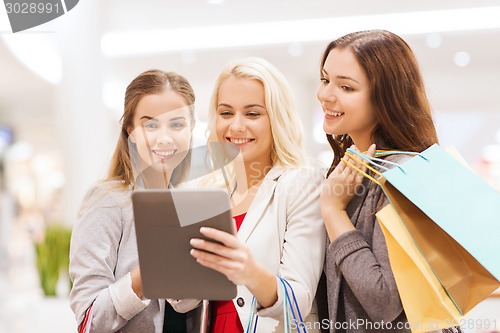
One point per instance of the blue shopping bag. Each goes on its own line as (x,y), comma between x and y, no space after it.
(456,199)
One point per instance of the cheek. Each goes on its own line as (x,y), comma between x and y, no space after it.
(319,93)
(220,129)
(142,139)
(369,113)
(183,137)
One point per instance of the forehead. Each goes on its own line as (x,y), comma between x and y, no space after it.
(241,91)
(343,62)
(164,104)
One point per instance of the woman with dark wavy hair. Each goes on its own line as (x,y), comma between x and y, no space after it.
(373,96)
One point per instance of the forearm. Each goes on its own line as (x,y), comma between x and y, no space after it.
(337,223)
(369,276)
(112,307)
(263,287)
(135,275)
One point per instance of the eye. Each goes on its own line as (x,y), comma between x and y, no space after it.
(324,80)
(225,114)
(252,114)
(177,125)
(346,88)
(150,125)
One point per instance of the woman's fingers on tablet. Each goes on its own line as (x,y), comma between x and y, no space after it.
(233,268)
(211,247)
(221,236)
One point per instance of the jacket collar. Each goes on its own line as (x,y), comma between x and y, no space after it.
(260,202)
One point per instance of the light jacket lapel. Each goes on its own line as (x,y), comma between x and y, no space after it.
(260,203)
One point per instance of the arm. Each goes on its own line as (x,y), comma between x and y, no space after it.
(368,272)
(338,190)
(304,240)
(93,260)
(233,259)
(302,237)
(365,268)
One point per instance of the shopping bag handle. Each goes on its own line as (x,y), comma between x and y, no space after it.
(361,171)
(374,160)
(285,283)
(252,320)
(287,307)
(378,162)
(366,160)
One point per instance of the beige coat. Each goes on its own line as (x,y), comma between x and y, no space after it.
(284,231)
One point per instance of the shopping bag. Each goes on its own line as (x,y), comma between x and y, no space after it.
(465,278)
(456,199)
(426,303)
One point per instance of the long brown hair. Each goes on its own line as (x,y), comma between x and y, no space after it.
(147,83)
(403,112)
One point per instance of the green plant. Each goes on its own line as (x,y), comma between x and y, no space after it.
(52,256)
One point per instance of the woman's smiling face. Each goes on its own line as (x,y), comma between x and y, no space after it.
(344,93)
(242,119)
(162,130)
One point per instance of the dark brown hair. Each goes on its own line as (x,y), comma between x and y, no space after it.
(396,91)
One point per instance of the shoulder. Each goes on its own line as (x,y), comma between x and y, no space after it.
(303,178)
(106,194)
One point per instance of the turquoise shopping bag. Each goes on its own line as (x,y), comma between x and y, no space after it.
(456,199)
(451,217)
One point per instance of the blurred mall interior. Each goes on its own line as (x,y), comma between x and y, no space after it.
(62,85)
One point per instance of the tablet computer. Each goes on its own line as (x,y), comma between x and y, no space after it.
(165,222)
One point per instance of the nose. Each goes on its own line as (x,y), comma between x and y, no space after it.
(326,94)
(237,123)
(164,137)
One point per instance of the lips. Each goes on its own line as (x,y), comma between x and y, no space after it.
(164,154)
(239,141)
(333,113)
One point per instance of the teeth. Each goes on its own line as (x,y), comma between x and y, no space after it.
(164,153)
(335,114)
(240,141)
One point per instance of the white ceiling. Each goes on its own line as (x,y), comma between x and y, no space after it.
(27,102)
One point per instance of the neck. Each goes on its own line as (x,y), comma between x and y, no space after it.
(362,143)
(256,171)
(152,178)
(250,174)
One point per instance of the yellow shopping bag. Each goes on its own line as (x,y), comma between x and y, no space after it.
(427,305)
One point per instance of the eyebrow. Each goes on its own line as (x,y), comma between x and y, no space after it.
(154,118)
(249,106)
(343,77)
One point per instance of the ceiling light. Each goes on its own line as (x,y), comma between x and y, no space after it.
(118,44)
(461,59)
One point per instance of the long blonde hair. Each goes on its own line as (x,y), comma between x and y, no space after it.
(286,128)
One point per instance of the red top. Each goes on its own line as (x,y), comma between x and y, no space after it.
(224,315)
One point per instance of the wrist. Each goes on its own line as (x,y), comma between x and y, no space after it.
(332,211)
(136,283)
(337,222)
